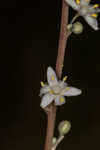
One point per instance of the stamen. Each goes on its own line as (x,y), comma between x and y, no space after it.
(61,99)
(65,78)
(53,78)
(77,1)
(67,88)
(94,15)
(42,84)
(96,6)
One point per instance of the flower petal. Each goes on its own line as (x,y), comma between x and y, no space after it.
(44,90)
(97,10)
(85,2)
(92,22)
(71,91)
(46,100)
(59,100)
(72,4)
(94,10)
(51,77)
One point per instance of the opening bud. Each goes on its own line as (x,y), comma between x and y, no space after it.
(69,27)
(64,127)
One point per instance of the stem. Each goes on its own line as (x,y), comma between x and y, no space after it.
(50,127)
(60,59)
(58,142)
(63,39)
(75,17)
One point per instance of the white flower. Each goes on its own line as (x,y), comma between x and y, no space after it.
(88,11)
(56,90)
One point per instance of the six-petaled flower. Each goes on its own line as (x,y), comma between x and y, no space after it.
(55,90)
(87,10)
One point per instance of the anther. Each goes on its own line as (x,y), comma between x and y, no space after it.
(52,78)
(96,6)
(61,99)
(42,84)
(65,78)
(78,1)
(67,88)
(94,15)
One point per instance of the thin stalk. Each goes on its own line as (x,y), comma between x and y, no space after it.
(58,142)
(50,127)
(59,65)
(64,34)
(75,17)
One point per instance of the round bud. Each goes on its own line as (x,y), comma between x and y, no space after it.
(54,140)
(64,127)
(69,27)
(77,28)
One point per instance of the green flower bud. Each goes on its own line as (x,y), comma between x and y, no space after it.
(69,27)
(64,127)
(54,140)
(77,28)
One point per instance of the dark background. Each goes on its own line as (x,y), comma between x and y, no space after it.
(29,32)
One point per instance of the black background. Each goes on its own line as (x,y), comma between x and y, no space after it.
(29,33)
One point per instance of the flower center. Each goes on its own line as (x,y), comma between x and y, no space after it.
(56,89)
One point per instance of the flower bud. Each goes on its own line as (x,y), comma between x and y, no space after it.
(64,127)
(69,27)
(77,28)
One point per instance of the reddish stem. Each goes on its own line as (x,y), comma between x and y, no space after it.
(62,40)
(50,127)
(59,65)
